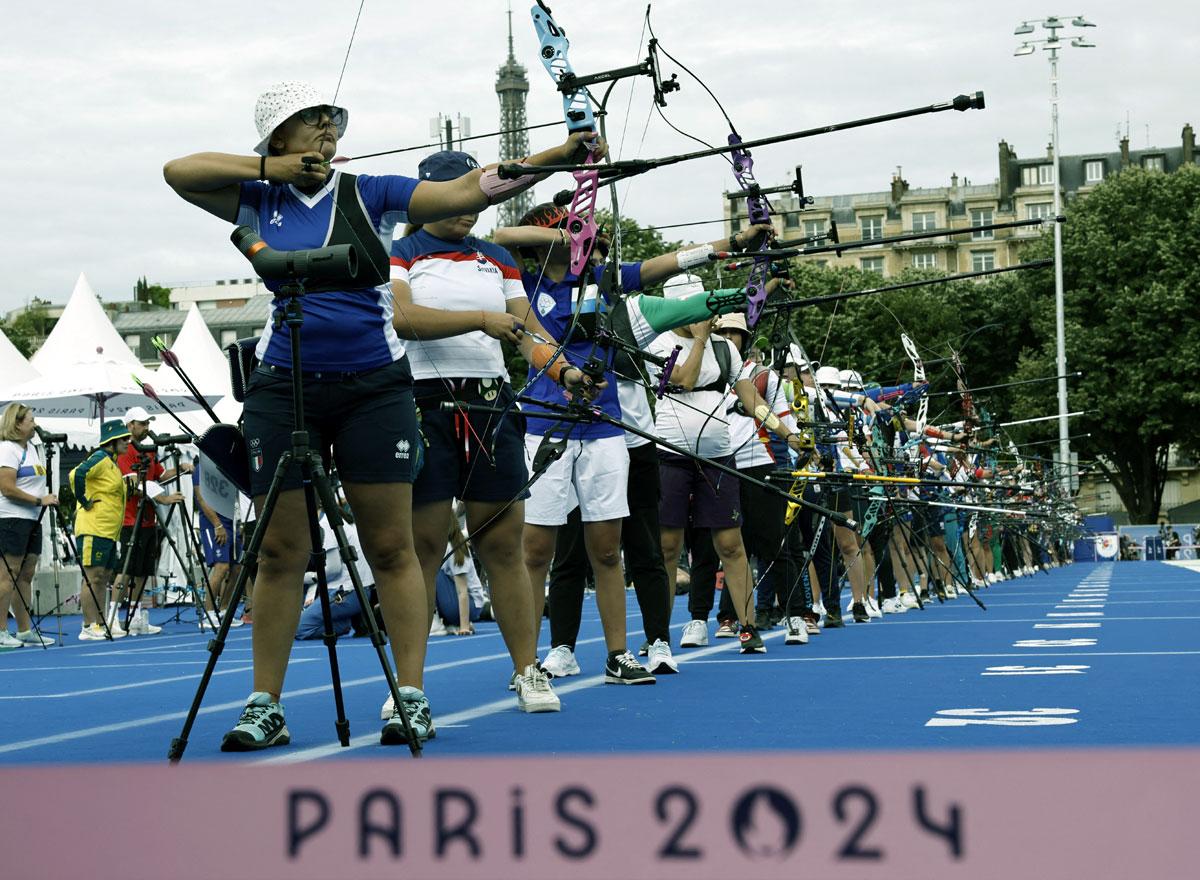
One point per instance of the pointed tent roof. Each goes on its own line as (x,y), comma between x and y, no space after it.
(83,331)
(205,364)
(199,356)
(14,369)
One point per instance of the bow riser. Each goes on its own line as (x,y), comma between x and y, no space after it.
(579,116)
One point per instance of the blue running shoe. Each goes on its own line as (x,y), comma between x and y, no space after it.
(260,726)
(413,704)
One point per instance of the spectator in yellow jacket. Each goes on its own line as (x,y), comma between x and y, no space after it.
(100,489)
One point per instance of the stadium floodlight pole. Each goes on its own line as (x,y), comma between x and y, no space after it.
(1051,46)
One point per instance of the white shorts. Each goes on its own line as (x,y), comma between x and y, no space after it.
(591,474)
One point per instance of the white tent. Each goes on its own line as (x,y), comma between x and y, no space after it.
(14,369)
(83,331)
(202,360)
(76,397)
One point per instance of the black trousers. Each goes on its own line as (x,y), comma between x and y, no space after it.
(641,540)
(878,539)
(819,547)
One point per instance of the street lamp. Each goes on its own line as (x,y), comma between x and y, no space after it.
(1052,45)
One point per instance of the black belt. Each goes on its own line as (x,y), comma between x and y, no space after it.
(316,376)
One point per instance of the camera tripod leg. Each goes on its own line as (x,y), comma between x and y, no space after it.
(333,516)
(312,474)
(217,643)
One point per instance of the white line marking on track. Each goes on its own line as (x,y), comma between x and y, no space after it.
(492,708)
(1080,625)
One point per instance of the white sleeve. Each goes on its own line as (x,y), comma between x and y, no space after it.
(514,289)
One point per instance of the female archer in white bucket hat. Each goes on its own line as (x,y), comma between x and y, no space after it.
(358,386)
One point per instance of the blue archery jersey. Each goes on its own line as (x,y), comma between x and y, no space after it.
(344,330)
(554,302)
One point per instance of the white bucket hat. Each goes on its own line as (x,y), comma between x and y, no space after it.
(795,357)
(283,100)
(732,321)
(828,376)
(851,379)
(682,285)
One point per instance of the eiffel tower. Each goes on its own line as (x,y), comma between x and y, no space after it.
(512,85)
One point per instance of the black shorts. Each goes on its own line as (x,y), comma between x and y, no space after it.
(20,536)
(368,420)
(468,455)
(711,497)
(145,554)
(928,522)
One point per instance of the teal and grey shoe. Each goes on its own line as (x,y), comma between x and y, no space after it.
(415,706)
(260,726)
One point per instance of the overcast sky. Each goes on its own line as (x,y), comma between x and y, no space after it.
(99,96)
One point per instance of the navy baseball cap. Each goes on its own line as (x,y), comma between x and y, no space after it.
(446,165)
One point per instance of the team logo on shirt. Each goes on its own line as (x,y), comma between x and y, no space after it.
(402,449)
(483,265)
(545,304)
(277,219)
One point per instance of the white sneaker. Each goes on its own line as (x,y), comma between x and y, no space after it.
(797,632)
(438,627)
(908,600)
(118,631)
(8,640)
(389,707)
(872,607)
(534,693)
(695,634)
(560,662)
(819,607)
(31,637)
(659,660)
(141,625)
(893,606)
(95,633)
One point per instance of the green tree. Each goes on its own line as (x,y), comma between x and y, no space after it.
(28,330)
(1131,261)
(151,293)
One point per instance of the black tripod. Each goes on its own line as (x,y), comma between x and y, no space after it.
(316,483)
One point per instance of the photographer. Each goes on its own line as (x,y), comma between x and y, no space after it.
(22,496)
(358,385)
(140,538)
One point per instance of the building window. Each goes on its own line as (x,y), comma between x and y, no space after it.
(982,261)
(871,264)
(982,217)
(925,260)
(1152,163)
(791,220)
(1034,175)
(924,221)
(228,337)
(1093,171)
(134,341)
(814,228)
(872,227)
(1039,210)
(206,304)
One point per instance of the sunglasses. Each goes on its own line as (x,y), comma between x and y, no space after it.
(312,115)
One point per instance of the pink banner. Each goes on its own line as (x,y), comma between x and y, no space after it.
(981,814)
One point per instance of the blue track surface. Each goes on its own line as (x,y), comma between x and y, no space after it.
(868,686)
